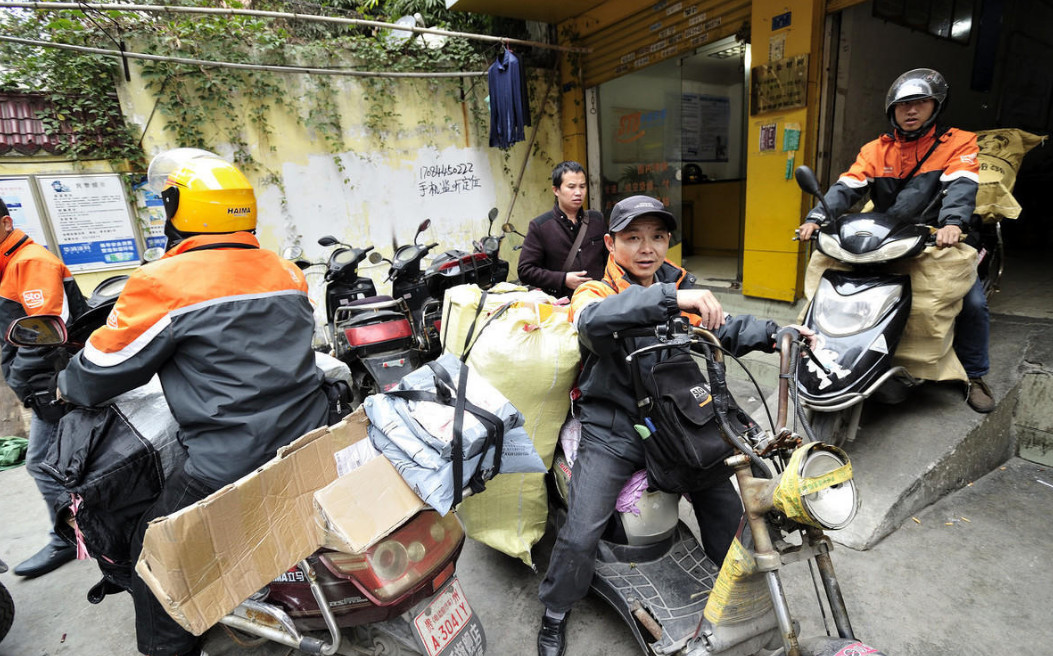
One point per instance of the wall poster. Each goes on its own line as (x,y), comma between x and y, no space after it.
(22,206)
(90,219)
(704,121)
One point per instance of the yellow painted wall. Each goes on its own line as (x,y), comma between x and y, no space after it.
(772,262)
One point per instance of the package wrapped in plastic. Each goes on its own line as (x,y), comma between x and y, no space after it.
(530,353)
(416,436)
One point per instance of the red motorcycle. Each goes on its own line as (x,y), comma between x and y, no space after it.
(400,596)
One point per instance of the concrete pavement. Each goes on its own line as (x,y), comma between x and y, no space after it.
(967,575)
(970,578)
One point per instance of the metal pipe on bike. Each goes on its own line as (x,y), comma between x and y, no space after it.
(832,588)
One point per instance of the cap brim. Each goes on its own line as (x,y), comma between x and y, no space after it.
(623,223)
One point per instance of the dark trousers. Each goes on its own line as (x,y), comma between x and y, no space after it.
(972,332)
(156,632)
(597,478)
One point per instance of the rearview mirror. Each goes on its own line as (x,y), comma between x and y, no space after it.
(508,228)
(806,180)
(493,214)
(327,240)
(292,253)
(153,254)
(37,330)
(375,258)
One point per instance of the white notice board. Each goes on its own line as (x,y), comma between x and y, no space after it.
(90,218)
(22,206)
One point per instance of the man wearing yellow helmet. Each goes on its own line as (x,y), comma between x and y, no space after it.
(227,327)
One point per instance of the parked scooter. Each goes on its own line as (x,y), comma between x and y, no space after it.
(859,315)
(669,591)
(423,290)
(400,596)
(371,334)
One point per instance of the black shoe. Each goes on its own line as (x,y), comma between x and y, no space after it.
(552,638)
(45,560)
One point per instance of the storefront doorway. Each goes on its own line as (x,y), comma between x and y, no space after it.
(676,131)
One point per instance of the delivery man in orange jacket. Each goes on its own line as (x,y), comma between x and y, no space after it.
(35,281)
(227,327)
(941,192)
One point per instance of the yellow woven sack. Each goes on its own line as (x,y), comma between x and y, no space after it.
(530,354)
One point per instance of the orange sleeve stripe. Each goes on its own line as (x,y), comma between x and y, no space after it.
(157,292)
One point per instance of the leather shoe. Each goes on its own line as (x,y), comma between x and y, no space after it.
(552,638)
(50,557)
(980,397)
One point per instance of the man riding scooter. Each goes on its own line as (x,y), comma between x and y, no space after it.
(925,173)
(639,289)
(227,327)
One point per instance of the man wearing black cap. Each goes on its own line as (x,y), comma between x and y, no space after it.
(640,288)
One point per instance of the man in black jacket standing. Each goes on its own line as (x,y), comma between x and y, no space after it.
(564,246)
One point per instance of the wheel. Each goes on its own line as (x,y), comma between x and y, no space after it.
(7,611)
(362,386)
(836,427)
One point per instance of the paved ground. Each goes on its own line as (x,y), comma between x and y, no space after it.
(971,577)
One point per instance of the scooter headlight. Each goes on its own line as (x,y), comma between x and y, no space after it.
(839,315)
(894,249)
(817,487)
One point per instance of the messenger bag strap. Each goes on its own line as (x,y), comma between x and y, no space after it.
(935,144)
(582,229)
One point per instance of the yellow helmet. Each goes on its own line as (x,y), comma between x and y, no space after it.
(202,193)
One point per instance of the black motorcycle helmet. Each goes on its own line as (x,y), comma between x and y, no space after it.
(917,84)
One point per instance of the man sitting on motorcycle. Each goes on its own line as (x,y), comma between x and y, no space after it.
(940,191)
(227,327)
(640,288)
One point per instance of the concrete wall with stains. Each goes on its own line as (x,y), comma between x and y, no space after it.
(429,158)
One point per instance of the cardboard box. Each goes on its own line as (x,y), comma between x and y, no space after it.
(204,560)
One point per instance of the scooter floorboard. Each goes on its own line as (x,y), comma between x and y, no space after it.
(673,588)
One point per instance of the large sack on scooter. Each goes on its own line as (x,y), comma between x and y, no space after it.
(939,280)
(1001,152)
(460,304)
(530,354)
(113,461)
(416,435)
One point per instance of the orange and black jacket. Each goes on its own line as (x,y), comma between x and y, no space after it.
(32,281)
(883,164)
(607,407)
(227,327)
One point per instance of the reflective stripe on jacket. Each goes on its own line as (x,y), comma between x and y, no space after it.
(227,327)
(32,281)
(883,163)
(601,308)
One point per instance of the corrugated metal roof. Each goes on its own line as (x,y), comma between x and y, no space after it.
(20,129)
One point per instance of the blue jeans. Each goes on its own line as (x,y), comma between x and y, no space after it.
(597,478)
(972,331)
(41,435)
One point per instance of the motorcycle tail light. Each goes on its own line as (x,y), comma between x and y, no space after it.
(465,260)
(396,564)
(375,333)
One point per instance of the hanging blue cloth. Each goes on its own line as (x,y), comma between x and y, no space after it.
(509,110)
